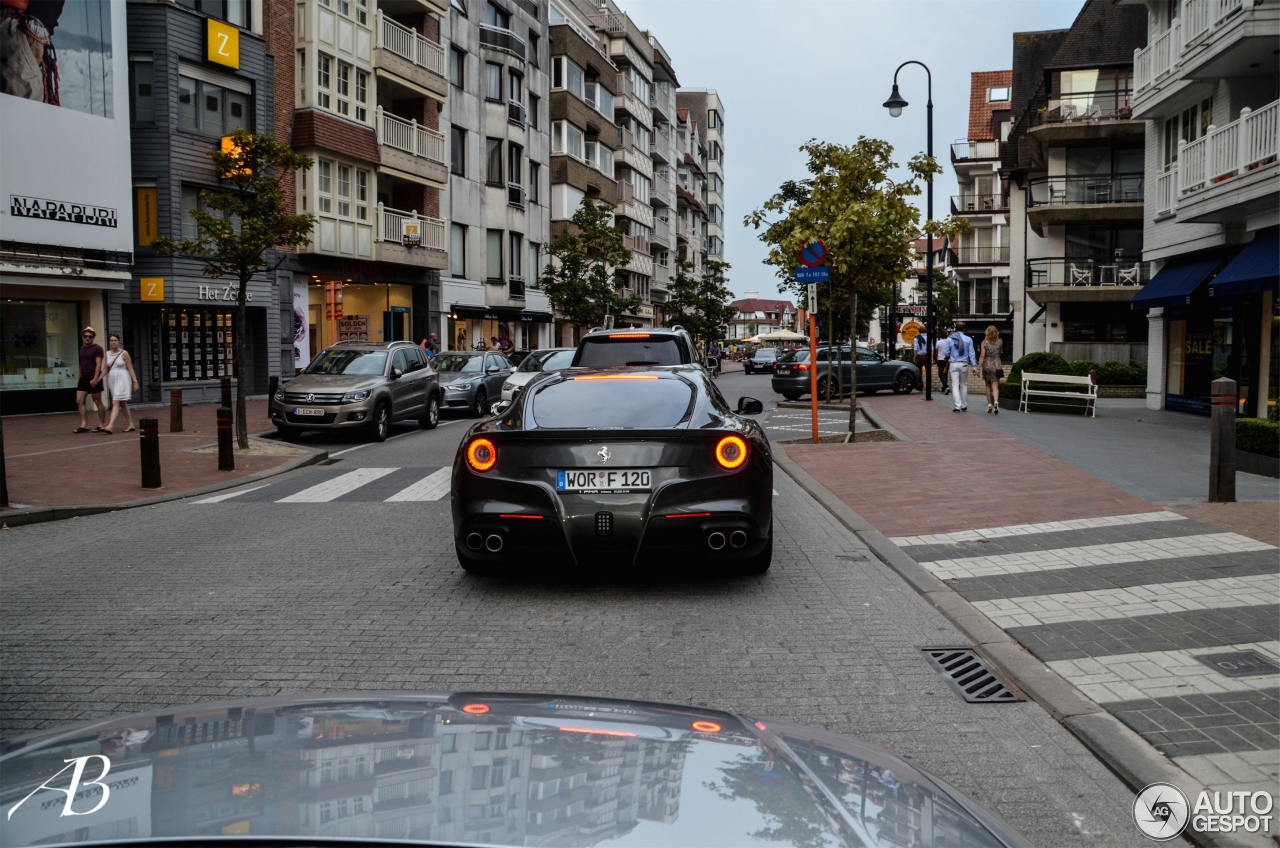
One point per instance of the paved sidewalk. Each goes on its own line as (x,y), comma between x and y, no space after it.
(1144,607)
(49,465)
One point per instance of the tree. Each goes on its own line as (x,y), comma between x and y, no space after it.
(581,279)
(238,228)
(863,216)
(699,304)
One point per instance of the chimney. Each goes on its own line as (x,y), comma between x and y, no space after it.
(751,295)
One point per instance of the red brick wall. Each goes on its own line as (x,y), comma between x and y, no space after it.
(277,29)
(980,111)
(431,207)
(314,128)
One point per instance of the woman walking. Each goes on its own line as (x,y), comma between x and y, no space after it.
(990,369)
(121,382)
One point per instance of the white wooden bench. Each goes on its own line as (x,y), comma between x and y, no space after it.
(1090,394)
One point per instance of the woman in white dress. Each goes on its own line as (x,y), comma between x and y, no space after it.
(121,382)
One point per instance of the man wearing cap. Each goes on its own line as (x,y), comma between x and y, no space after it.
(90,379)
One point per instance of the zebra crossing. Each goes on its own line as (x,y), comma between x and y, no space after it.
(1149,615)
(327,485)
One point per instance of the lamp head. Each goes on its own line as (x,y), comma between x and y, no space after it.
(895,103)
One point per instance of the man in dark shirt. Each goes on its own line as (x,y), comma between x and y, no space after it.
(90,379)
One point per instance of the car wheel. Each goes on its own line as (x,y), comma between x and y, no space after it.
(822,388)
(482,403)
(791,395)
(432,418)
(381,424)
(759,563)
(903,384)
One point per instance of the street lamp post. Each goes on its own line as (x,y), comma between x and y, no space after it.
(895,105)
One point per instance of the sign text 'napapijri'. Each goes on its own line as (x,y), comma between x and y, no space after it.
(61,210)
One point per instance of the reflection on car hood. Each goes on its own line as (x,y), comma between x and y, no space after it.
(471,768)
(331,382)
(455,376)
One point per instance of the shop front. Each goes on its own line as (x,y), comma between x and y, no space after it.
(515,329)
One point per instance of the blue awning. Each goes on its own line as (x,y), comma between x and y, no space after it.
(1256,268)
(1174,284)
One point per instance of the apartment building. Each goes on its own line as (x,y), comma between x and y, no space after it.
(1074,154)
(691,188)
(499,182)
(1207,84)
(982,258)
(707,111)
(662,240)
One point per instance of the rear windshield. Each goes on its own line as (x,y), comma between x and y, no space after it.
(767,353)
(604,352)
(347,361)
(612,402)
(794,356)
(547,360)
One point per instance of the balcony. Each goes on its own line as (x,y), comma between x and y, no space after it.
(407,238)
(1207,38)
(515,195)
(660,193)
(515,287)
(626,193)
(982,255)
(1083,199)
(1081,106)
(410,150)
(497,38)
(963,151)
(661,236)
(663,102)
(1230,171)
(962,203)
(399,51)
(1066,279)
(638,244)
(516,113)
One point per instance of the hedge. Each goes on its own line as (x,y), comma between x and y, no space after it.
(1110,373)
(1258,435)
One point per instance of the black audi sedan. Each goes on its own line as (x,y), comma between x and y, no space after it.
(618,468)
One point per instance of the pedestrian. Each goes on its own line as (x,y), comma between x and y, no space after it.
(118,368)
(920,344)
(90,384)
(990,369)
(433,344)
(493,343)
(961,358)
(944,366)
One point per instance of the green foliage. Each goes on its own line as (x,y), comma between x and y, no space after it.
(1110,373)
(1258,435)
(581,279)
(1012,390)
(1273,414)
(699,304)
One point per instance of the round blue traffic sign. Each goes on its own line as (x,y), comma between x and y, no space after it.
(812,254)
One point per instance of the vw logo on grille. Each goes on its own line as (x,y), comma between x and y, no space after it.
(311,398)
(603,453)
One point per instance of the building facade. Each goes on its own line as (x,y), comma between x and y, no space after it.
(754,315)
(707,111)
(1208,87)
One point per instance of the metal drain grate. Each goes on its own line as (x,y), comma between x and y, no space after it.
(969,675)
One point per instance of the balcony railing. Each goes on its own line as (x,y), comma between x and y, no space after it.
(637,243)
(1081,106)
(982,255)
(663,101)
(1105,188)
(515,195)
(516,113)
(1231,150)
(409,45)
(626,193)
(961,203)
(410,137)
(502,39)
(1167,190)
(971,149)
(391,228)
(515,287)
(1196,19)
(1066,271)
(661,233)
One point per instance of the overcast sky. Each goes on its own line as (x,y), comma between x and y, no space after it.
(791,70)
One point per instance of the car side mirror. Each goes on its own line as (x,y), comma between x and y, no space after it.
(749,406)
(712,362)
(500,407)
(492,369)
(396,373)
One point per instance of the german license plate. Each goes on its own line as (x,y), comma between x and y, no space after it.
(783,371)
(602,480)
(307,410)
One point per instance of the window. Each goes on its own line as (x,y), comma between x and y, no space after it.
(362,195)
(362,11)
(517,255)
(234,12)
(715,215)
(324,186)
(457,250)
(458,151)
(515,84)
(496,16)
(344,191)
(534,103)
(1188,126)
(142,73)
(493,161)
(565,74)
(493,255)
(640,84)
(212,109)
(192,199)
(715,184)
(457,67)
(534,271)
(998,95)
(324,67)
(479,777)
(515,158)
(344,88)
(449,743)
(446,783)
(565,200)
(492,81)
(566,138)
(535,182)
(362,97)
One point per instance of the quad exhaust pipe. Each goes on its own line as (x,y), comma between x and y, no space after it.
(493,543)
(715,540)
(737,538)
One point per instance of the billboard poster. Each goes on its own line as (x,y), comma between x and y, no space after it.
(65,127)
(301,326)
(354,328)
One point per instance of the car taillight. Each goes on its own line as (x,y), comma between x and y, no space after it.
(731,452)
(481,455)
(801,366)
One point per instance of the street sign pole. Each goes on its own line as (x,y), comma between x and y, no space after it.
(813,256)
(813,366)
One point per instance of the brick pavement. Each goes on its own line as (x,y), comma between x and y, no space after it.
(47,464)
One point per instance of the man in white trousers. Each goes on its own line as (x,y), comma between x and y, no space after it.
(961,358)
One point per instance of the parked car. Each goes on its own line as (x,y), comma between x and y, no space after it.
(762,360)
(791,374)
(203,774)
(615,469)
(357,384)
(535,363)
(470,378)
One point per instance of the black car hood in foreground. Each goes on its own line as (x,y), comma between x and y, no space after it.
(473,769)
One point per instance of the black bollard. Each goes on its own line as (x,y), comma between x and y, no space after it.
(1222,441)
(4,480)
(226,459)
(273,385)
(226,392)
(149,443)
(175,410)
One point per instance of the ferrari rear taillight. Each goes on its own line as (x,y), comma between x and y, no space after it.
(731,452)
(481,455)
